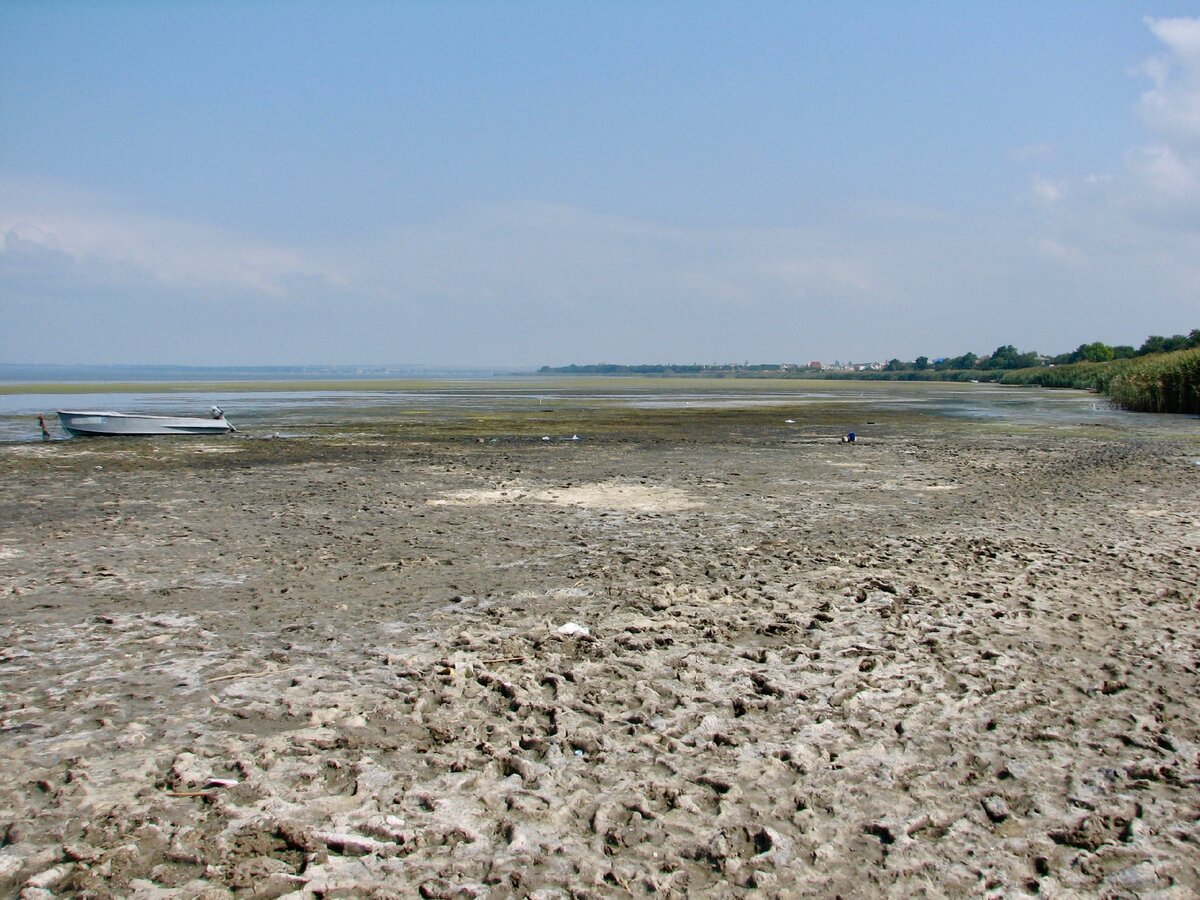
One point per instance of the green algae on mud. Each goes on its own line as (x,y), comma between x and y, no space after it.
(577,412)
(364,440)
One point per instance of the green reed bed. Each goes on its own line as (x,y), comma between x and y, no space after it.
(1162,382)
(1167,382)
(1084,376)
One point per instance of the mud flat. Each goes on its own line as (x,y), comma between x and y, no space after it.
(738,662)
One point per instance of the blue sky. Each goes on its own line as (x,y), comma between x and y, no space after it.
(519,183)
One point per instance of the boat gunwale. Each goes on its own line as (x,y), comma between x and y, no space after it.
(121,415)
(92,423)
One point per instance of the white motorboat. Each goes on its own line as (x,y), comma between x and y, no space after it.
(116,424)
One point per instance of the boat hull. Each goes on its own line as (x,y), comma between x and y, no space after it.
(115,424)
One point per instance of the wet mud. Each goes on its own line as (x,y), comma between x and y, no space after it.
(927,664)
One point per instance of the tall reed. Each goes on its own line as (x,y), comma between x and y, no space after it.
(1165,382)
(1085,376)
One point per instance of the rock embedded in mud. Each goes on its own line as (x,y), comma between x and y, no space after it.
(996,808)
(81,852)
(10,865)
(349,844)
(49,878)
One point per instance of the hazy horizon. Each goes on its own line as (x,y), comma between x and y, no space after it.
(514,185)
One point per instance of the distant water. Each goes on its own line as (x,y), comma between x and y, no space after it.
(289,412)
(10,373)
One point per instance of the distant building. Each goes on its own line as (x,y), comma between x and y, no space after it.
(815,364)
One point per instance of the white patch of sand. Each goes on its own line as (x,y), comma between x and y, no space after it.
(606,495)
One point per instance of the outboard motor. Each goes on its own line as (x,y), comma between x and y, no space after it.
(217,412)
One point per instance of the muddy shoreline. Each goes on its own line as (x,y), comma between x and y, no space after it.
(956,662)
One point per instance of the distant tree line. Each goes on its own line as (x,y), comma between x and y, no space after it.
(1162,375)
(1009,357)
(1004,358)
(657,369)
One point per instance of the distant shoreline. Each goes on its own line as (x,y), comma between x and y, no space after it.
(239,386)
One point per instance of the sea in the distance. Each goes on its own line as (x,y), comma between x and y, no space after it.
(285,401)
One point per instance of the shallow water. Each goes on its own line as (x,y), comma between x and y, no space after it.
(285,411)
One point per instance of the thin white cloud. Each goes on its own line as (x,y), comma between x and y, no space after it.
(562,255)
(1165,172)
(1047,190)
(1172,107)
(1150,205)
(1160,184)
(1058,252)
(121,246)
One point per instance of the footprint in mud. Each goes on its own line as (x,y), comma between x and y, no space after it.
(731,848)
(626,823)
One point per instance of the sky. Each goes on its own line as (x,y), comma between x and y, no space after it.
(542,183)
